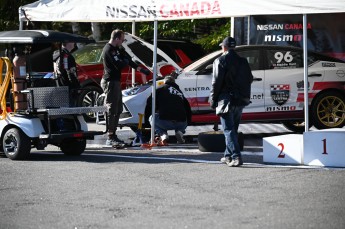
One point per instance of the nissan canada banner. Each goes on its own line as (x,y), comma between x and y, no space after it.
(326,32)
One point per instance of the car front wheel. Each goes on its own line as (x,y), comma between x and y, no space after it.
(88,98)
(329,110)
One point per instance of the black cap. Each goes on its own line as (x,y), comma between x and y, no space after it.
(228,42)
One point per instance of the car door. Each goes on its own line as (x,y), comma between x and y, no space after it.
(284,80)
(204,69)
(253,56)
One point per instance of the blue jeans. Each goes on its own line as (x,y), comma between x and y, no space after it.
(230,122)
(162,126)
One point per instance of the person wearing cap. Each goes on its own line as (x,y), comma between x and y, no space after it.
(222,87)
(114,60)
(172,111)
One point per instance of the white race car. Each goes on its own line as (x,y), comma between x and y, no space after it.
(277,91)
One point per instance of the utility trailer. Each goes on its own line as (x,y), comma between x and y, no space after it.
(33,117)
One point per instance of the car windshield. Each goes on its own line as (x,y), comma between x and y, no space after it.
(201,61)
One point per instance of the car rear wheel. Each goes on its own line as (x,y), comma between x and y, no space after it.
(16,144)
(328,110)
(88,98)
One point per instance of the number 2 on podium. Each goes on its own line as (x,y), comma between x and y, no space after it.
(281,154)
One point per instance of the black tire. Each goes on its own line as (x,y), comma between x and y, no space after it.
(297,126)
(88,98)
(73,147)
(214,141)
(328,110)
(16,144)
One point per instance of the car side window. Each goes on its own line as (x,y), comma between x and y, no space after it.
(89,55)
(253,57)
(283,59)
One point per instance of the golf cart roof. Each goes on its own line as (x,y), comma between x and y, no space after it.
(40,36)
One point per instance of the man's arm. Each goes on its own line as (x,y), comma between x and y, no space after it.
(217,82)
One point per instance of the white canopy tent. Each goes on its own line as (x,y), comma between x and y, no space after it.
(163,10)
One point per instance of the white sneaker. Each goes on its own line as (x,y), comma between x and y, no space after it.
(179,137)
(164,139)
(225,160)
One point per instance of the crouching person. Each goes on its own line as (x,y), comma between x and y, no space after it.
(172,111)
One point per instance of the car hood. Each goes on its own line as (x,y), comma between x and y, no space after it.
(142,52)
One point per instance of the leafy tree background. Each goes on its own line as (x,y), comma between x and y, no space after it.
(206,32)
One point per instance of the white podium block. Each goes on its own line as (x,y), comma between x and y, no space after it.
(325,147)
(283,149)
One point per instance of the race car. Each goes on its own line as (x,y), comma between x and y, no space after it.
(277,91)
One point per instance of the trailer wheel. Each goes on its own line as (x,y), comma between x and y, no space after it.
(214,141)
(73,147)
(16,144)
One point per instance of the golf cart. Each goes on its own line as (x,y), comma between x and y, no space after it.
(34,114)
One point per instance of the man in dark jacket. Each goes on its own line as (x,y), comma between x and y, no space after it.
(228,87)
(114,60)
(172,111)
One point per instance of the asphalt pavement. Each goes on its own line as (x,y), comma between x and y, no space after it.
(167,187)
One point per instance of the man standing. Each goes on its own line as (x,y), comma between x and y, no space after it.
(172,111)
(230,88)
(114,60)
(66,70)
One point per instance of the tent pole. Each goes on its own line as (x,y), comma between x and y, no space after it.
(20,19)
(305,68)
(154,81)
(248,30)
(232,27)
(133,70)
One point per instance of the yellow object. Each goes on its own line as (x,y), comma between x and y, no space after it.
(4,84)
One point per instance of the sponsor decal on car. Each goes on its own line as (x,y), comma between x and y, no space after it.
(280,93)
(197,89)
(300,85)
(281,108)
(328,65)
(340,73)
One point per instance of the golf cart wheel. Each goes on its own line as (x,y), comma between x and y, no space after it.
(214,141)
(73,147)
(88,98)
(16,144)
(328,110)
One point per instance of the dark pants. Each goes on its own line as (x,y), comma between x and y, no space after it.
(113,100)
(230,123)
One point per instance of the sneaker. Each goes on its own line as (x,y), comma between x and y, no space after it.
(109,142)
(179,137)
(164,139)
(235,162)
(117,141)
(225,160)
